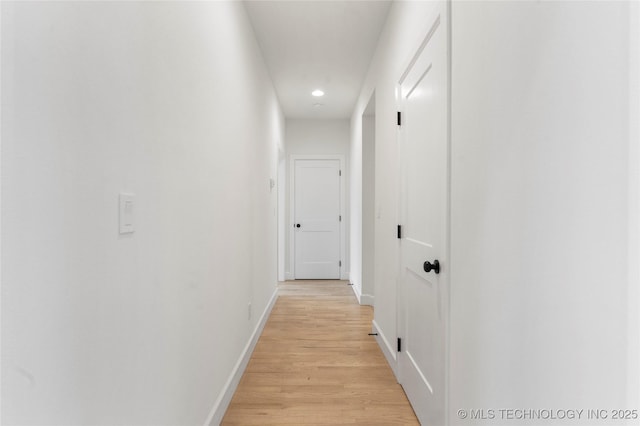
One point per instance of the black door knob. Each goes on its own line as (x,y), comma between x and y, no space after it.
(298,225)
(435,266)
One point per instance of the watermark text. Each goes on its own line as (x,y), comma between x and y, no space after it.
(546,414)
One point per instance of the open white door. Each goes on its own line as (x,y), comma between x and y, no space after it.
(423,294)
(316,219)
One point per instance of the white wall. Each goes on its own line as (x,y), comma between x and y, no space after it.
(315,137)
(170,101)
(541,238)
(540,148)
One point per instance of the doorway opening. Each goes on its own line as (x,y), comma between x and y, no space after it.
(368,202)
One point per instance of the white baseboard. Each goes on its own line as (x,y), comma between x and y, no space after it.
(288,276)
(363,299)
(366,299)
(388,350)
(356,291)
(222,403)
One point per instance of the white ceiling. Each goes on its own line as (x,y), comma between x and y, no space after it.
(325,45)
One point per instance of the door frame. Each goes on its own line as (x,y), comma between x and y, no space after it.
(344,274)
(633,335)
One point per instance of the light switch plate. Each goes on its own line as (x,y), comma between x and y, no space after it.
(127,223)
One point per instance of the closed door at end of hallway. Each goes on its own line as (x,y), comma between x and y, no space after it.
(317,219)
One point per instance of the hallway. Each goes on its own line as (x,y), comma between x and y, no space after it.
(316,364)
(155,161)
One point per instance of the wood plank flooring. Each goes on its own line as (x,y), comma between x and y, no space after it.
(315,365)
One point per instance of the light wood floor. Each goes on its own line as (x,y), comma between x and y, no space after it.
(315,365)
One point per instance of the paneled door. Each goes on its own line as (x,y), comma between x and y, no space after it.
(423,275)
(317,219)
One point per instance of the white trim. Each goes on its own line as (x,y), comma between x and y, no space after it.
(288,276)
(222,403)
(389,351)
(1,186)
(363,299)
(357,291)
(447,331)
(633,274)
(344,275)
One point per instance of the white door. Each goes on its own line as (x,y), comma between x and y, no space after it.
(423,293)
(316,219)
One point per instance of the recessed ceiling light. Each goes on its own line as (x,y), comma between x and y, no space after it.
(317,92)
